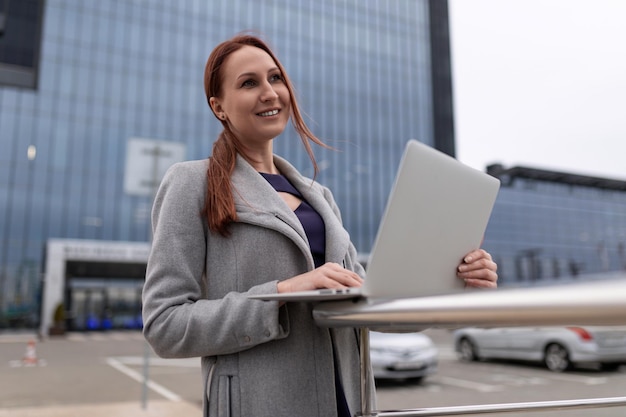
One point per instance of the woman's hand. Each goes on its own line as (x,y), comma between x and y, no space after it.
(329,275)
(478,270)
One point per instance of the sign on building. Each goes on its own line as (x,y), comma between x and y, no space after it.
(147,160)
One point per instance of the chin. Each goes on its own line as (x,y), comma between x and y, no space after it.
(272,133)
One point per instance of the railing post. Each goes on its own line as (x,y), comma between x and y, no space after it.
(366,388)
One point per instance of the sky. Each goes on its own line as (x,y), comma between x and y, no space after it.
(541,84)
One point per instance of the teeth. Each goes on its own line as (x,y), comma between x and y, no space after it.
(269,113)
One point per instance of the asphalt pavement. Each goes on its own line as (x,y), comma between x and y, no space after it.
(124,409)
(32,377)
(99,374)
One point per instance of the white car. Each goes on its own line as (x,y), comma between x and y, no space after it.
(559,348)
(402,355)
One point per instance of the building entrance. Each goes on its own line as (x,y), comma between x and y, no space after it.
(93,285)
(104,304)
(103,295)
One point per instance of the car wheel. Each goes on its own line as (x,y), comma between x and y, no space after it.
(556,358)
(416,380)
(467,351)
(610,367)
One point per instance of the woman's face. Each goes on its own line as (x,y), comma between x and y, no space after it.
(255,99)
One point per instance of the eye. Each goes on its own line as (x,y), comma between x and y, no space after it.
(248,83)
(276,78)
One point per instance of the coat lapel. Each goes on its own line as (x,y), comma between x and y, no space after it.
(337,238)
(257,203)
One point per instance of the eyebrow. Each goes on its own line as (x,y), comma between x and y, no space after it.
(253,74)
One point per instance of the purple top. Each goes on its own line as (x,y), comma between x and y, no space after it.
(312,222)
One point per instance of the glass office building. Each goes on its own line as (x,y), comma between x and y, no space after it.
(369,75)
(549,227)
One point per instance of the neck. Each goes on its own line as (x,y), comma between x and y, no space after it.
(268,168)
(262,160)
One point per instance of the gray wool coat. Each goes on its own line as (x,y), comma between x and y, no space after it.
(258,358)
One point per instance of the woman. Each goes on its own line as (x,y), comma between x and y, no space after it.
(246,222)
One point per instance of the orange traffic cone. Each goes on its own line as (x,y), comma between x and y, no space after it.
(30,356)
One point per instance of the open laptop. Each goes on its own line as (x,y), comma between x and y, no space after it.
(437,212)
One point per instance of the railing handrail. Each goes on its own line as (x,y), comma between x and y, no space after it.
(595,302)
(599,302)
(534,406)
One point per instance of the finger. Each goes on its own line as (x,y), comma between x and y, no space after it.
(476,255)
(480,283)
(478,265)
(482,273)
(347,278)
(332,275)
(341,272)
(333,267)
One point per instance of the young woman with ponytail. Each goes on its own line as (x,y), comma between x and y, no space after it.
(245,221)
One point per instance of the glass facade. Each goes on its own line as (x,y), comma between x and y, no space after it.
(119,69)
(549,231)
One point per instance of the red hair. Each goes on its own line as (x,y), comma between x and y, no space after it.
(219,204)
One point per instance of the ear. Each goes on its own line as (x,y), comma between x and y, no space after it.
(216,106)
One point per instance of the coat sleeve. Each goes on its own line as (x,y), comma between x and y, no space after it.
(178,319)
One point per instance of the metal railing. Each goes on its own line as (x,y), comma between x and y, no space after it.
(595,302)
(506,408)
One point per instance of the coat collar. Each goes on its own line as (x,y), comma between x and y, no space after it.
(257,202)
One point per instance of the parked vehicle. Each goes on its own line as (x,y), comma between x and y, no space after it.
(559,348)
(402,355)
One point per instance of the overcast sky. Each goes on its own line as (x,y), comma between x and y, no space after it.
(541,83)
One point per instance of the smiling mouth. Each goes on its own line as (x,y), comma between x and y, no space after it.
(268,113)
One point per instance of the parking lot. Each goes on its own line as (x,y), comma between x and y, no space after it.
(468,383)
(108,367)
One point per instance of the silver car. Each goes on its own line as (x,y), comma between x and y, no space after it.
(559,348)
(402,355)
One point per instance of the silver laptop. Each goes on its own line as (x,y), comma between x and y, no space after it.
(437,212)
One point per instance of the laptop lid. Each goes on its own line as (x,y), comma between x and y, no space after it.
(436,213)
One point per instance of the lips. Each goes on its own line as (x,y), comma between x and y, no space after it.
(268,113)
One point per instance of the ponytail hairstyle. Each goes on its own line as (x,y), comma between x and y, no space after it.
(219,204)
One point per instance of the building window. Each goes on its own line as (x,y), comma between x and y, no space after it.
(20,39)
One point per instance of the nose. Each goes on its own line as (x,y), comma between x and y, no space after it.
(268,93)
